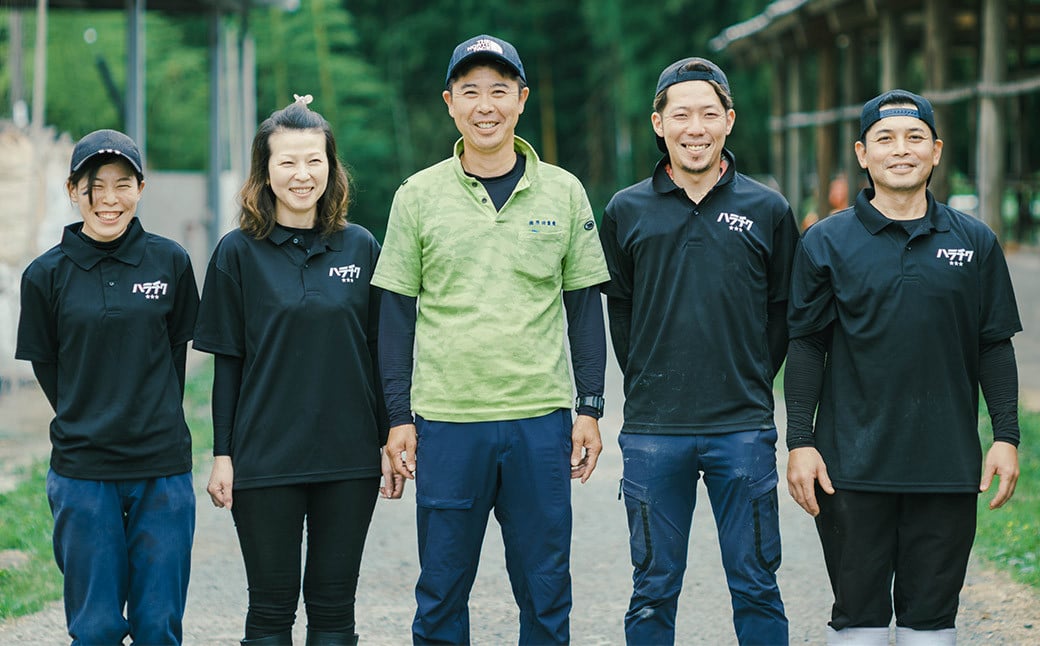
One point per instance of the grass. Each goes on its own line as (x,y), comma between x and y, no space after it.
(27,522)
(1009,537)
(27,528)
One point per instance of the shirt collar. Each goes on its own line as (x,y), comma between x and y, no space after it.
(662,183)
(280,235)
(519,145)
(875,222)
(86,255)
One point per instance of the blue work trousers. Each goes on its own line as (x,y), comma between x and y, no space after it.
(521,469)
(660,487)
(123,543)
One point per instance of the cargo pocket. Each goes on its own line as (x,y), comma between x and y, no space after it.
(439,483)
(764,508)
(637,506)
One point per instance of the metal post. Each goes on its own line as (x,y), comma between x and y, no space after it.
(39,97)
(135,92)
(216,158)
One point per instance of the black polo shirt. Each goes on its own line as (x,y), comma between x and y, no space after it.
(700,278)
(899,406)
(304,322)
(108,320)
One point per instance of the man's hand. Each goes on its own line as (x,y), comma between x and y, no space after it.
(585,436)
(220,481)
(805,468)
(393,482)
(400,450)
(1001,461)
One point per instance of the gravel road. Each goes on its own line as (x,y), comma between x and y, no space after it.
(994,610)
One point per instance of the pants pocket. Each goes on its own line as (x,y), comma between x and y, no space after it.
(765,510)
(637,505)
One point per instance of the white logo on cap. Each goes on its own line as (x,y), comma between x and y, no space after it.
(485,45)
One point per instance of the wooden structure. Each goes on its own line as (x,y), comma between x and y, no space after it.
(978,61)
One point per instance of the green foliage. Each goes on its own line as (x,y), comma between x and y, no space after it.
(27,518)
(1009,537)
(27,528)
(375,69)
(197,391)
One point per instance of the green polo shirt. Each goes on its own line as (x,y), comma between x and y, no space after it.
(489,331)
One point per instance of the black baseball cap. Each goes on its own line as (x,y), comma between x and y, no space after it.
(485,46)
(102,142)
(883,106)
(676,73)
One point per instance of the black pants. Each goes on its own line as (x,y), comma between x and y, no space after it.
(270,524)
(885,550)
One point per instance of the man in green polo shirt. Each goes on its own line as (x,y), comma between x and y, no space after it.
(478,250)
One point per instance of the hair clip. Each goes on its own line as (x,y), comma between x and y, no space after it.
(305,99)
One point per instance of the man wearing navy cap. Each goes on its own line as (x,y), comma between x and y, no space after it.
(478,249)
(901,307)
(699,259)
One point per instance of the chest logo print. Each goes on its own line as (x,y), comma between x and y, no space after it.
(152,291)
(957,257)
(347,274)
(537,225)
(735,222)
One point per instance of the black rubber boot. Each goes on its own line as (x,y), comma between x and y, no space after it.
(321,638)
(281,639)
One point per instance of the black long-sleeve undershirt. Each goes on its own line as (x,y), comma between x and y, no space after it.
(397,340)
(803,382)
(619,312)
(227,385)
(47,374)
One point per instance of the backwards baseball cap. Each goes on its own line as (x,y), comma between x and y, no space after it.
(485,46)
(885,105)
(101,142)
(678,72)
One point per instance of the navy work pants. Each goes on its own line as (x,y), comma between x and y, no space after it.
(123,543)
(660,487)
(521,469)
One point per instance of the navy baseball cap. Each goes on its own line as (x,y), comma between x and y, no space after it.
(677,73)
(485,46)
(884,105)
(102,142)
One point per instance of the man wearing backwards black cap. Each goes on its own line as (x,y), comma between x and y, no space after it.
(699,259)
(485,241)
(900,309)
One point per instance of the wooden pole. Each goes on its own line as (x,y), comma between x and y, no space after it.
(793,149)
(937,53)
(990,145)
(826,89)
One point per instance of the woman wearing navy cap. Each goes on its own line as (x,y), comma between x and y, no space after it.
(298,416)
(105,320)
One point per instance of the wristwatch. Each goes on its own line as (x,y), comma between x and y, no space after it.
(594,402)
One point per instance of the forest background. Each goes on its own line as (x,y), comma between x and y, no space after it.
(376,71)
